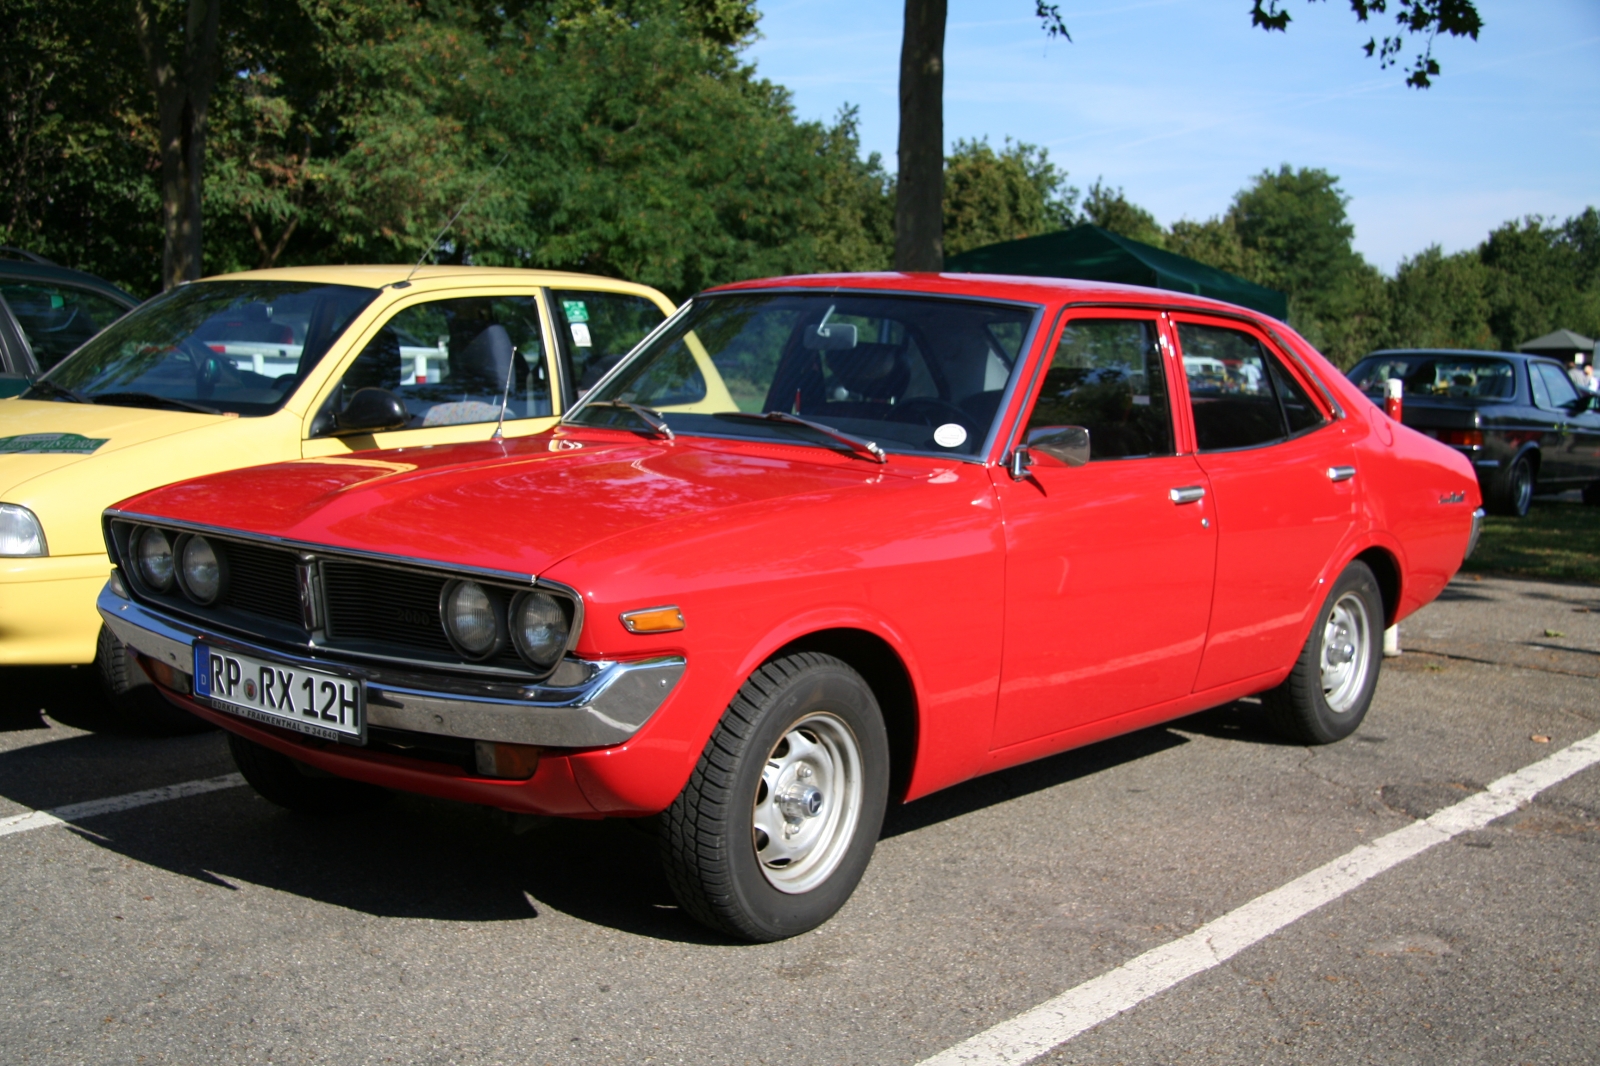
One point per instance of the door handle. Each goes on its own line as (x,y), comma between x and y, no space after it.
(1341,473)
(1187,494)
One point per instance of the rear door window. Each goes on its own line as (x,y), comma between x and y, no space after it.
(1241,394)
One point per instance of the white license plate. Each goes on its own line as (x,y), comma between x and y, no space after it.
(309,701)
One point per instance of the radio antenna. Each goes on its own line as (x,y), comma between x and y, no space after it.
(505,397)
(473,195)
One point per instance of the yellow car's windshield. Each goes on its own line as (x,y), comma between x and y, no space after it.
(235,346)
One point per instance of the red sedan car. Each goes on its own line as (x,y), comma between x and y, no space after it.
(817,545)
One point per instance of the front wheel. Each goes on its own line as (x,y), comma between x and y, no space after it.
(778,821)
(1330,688)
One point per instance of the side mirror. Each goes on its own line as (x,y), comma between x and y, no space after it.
(1070,444)
(1020,463)
(371,410)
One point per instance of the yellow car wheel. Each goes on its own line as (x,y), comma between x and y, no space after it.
(133,700)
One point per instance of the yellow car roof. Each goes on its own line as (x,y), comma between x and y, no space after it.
(377,275)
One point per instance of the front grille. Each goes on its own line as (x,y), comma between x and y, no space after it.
(374,603)
(263,581)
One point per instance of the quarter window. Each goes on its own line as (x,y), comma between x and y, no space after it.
(598,328)
(1241,395)
(457,361)
(1106,376)
(1558,390)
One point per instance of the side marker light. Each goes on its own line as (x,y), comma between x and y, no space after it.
(653,620)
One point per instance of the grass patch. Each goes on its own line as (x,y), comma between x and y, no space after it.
(1557,541)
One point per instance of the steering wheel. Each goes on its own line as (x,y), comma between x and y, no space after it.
(209,367)
(930,411)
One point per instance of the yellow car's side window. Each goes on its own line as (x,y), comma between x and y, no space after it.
(454,362)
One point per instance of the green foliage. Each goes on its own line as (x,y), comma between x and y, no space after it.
(1110,209)
(1438,301)
(994,196)
(1557,541)
(1413,18)
(1543,277)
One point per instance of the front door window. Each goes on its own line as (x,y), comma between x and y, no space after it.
(456,362)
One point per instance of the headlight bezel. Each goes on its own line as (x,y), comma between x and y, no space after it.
(495,608)
(136,558)
(560,647)
(186,583)
(15,512)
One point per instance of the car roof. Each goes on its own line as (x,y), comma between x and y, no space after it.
(23,270)
(1452,353)
(377,275)
(1003,287)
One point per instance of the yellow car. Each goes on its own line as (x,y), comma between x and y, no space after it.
(270,365)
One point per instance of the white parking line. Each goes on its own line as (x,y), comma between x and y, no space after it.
(1054,1022)
(21,823)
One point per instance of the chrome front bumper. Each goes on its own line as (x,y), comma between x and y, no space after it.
(609,705)
(1472,537)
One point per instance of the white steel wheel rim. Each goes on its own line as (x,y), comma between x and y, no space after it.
(807,803)
(1346,652)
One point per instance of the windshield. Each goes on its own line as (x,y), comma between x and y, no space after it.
(240,346)
(908,374)
(1445,375)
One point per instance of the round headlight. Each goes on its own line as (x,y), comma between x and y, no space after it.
(539,628)
(470,619)
(202,570)
(152,559)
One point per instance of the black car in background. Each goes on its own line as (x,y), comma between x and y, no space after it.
(1519,418)
(46,311)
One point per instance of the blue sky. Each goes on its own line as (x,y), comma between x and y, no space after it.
(1182,102)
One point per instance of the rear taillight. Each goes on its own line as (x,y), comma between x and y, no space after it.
(1462,438)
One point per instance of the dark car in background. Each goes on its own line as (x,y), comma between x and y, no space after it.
(1519,418)
(46,311)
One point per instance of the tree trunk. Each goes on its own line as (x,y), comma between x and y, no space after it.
(183,101)
(919,196)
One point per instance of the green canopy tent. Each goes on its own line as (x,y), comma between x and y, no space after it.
(1093,254)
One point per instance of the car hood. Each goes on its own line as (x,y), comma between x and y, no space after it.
(42,436)
(515,506)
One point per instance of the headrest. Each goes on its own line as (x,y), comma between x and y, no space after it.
(485,363)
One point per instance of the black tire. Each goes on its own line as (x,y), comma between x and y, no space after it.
(296,786)
(1330,688)
(724,868)
(1512,492)
(1591,493)
(134,701)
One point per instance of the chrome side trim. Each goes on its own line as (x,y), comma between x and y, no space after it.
(1472,537)
(609,703)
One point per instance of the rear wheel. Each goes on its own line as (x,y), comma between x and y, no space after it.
(778,822)
(292,784)
(1512,493)
(133,699)
(1330,688)
(1591,493)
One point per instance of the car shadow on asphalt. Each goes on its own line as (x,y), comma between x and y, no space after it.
(410,857)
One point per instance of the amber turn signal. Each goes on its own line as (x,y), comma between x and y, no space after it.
(515,762)
(654,620)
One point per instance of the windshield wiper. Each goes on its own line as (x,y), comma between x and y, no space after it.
(856,444)
(61,391)
(650,418)
(150,399)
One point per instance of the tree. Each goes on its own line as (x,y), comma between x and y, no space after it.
(1438,301)
(1542,276)
(182,63)
(918,243)
(994,196)
(1110,209)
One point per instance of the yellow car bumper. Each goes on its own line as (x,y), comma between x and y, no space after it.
(47,610)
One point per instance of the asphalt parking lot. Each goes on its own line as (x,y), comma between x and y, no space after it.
(214,927)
